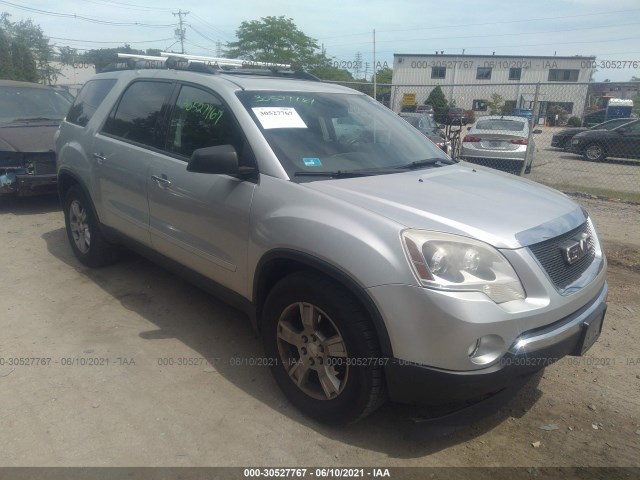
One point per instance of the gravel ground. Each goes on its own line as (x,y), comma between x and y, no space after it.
(104,395)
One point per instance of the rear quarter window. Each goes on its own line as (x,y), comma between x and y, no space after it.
(88,100)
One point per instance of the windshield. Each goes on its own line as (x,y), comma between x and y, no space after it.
(24,103)
(328,132)
(500,124)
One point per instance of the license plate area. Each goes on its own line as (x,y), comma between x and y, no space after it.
(591,329)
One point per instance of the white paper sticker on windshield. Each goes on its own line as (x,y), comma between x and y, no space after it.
(278,117)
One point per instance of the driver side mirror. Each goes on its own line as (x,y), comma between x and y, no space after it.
(218,160)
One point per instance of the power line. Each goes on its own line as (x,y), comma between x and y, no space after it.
(86,19)
(128,6)
(494,34)
(202,34)
(212,27)
(113,41)
(455,26)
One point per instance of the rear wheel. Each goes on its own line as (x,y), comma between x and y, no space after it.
(87,242)
(595,152)
(323,349)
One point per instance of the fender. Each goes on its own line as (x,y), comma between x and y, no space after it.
(271,263)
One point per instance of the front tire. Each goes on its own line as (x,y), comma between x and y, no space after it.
(83,231)
(595,153)
(323,349)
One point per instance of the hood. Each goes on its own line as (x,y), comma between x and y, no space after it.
(500,209)
(27,138)
(571,131)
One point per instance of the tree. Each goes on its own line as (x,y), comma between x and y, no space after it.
(24,65)
(496,104)
(277,40)
(383,78)
(328,72)
(6,62)
(103,57)
(27,36)
(439,102)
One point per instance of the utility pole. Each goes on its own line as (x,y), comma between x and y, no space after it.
(358,65)
(180,31)
(218,48)
(375,79)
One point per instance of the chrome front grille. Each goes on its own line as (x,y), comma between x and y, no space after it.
(549,254)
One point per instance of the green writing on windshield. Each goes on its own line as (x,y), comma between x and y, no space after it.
(207,111)
(283,99)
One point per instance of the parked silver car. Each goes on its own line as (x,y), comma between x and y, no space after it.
(373,265)
(499,142)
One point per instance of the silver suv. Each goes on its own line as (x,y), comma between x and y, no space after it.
(373,265)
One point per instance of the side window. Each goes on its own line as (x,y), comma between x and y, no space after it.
(138,115)
(88,100)
(199,120)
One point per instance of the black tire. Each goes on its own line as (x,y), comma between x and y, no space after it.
(86,239)
(355,371)
(594,152)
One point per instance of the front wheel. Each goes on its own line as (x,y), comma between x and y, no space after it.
(87,242)
(323,349)
(595,152)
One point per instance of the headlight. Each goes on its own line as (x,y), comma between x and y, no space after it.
(450,262)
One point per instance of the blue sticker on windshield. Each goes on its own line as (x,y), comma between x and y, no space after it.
(312,162)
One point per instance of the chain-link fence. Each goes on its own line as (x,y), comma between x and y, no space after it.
(577,137)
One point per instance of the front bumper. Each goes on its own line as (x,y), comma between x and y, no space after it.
(533,350)
(29,185)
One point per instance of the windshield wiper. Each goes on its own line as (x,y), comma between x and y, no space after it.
(342,173)
(37,119)
(423,163)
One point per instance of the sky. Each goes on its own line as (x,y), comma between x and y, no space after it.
(610,30)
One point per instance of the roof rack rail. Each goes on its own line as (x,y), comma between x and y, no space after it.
(170,59)
(204,64)
(225,62)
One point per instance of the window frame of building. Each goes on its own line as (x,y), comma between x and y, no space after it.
(438,72)
(487,71)
(479,105)
(573,74)
(513,71)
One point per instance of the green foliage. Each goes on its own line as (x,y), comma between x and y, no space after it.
(6,63)
(30,50)
(24,65)
(103,57)
(277,40)
(574,122)
(496,104)
(67,55)
(562,114)
(328,72)
(439,102)
(471,116)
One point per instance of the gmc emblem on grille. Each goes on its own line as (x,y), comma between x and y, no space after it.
(575,248)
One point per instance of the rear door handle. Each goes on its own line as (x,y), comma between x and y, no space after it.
(100,159)
(162,182)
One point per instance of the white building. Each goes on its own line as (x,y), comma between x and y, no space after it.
(73,77)
(470,80)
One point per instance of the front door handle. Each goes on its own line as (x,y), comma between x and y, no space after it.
(162,182)
(100,159)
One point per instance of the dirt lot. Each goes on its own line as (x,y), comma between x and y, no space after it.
(103,393)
